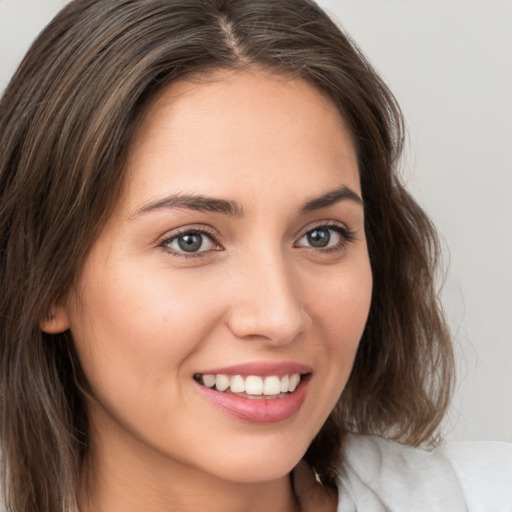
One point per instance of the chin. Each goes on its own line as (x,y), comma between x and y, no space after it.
(259,461)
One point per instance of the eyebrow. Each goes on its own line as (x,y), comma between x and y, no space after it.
(342,193)
(194,202)
(224,206)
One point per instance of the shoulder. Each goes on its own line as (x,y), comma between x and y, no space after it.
(382,475)
(484,472)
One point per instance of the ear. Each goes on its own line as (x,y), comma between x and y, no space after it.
(56,322)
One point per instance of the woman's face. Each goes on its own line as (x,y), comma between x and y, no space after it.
(236,256)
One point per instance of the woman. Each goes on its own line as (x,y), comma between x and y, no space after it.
(210,271)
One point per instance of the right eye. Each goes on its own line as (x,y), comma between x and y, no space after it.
(189,242)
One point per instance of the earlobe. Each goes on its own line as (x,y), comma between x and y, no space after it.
(56,322)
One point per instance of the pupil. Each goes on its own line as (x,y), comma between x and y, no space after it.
(319,237)
(191,242)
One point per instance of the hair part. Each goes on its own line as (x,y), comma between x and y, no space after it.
(67,120)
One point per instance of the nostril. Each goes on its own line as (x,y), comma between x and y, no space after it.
(267,300)
(275,326)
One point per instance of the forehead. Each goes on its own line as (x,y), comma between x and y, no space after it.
(230,129)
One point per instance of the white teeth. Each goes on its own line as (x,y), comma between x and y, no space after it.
(221,382)
(237,384)
(209,380)
(253,384)
(285,384)
(271,386)
(294,382)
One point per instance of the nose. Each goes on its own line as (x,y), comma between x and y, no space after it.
(266,303)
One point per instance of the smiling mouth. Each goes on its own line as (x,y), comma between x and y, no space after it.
(252,386)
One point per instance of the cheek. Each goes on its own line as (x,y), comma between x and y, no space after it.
(131,328)
(342,304)
(135,337)
(140,309)
(340,311)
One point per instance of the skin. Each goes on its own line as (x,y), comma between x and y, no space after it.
(145,317)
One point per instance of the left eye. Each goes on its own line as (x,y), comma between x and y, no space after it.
(190,242)
(324,237)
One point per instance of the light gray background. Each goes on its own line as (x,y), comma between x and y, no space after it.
(450,65)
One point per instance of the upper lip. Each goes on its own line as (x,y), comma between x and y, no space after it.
(260,368)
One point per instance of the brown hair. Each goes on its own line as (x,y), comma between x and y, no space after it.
(66,122)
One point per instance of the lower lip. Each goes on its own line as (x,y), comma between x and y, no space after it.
(259,410)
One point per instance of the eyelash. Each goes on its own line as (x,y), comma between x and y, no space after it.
(346,235)
(189,231)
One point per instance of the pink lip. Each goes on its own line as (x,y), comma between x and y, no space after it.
(263,369)
(258,410)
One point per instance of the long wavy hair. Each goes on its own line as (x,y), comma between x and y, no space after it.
(66,122)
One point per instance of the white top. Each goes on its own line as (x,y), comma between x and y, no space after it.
(384,476)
